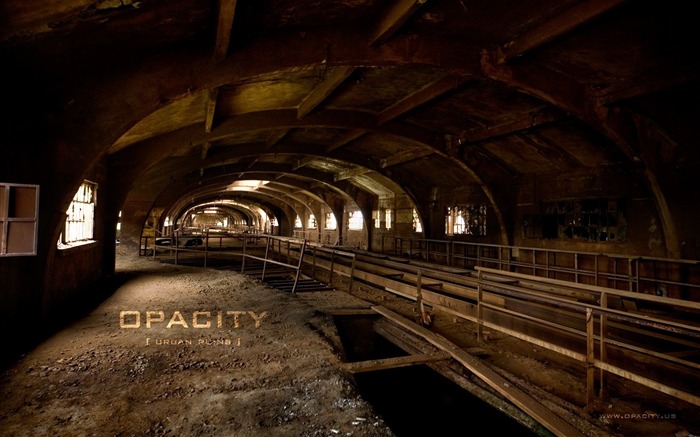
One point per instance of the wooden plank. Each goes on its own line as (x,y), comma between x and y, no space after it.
(397,15)
(350,312)
(521,399)
(345,139)
(323,90)
(420,97)
(556,27)
(595,288)
(394,362)
(413,344)
(227,9)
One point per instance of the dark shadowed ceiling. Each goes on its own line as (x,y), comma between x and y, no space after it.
(359,99)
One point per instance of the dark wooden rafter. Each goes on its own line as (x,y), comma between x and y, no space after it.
(573,97)
(303,161)
(210,110)
(430,92)
(405,156)
(203,156)
(344,139)
(555,27)
(395,17)
(227,9)
(205,149)
(529,120)
(275,137)
(666,77)
(347,174)
(323,90)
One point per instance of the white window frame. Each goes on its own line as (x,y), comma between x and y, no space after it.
(19,216)
(79,227)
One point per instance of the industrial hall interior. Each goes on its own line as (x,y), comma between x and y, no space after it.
(350,217)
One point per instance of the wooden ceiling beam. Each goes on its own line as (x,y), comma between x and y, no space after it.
(532,119)
(276,137)
(666,77)
(212,98)
(227,9)
(406,156)
(205,149)
(344,139)
(555,27)
(395,17)
(303,161)
(347,174)
(420,97)
(323,90)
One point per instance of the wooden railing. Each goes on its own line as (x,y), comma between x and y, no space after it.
(677,278)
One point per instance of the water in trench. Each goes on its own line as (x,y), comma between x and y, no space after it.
(416,400)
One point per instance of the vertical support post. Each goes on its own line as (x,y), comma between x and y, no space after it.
(330,276)
(590,358)
(313,261)
(177,245)
(595,259)
(576,267)
(603,345)
(245,239)
(479,308)
(352,272)
(267,250)
(301,260)
(206,246)
(419,297)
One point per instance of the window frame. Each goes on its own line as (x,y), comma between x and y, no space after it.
(9,191)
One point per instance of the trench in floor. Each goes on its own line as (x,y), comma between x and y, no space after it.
(417,400)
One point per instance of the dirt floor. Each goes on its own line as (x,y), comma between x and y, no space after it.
(187,351)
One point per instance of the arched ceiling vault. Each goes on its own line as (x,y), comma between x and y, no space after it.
(410,95)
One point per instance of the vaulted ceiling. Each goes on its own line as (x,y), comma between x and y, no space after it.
(354,99)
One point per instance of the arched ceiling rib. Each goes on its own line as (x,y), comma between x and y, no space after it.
(419,93)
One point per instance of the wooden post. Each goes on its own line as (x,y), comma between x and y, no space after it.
(206,246)
(603,345)
(590,357)
(419,295)
(301,260)
(267,249)
(352,272)
(479,308)
(245,239)
(313,261)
